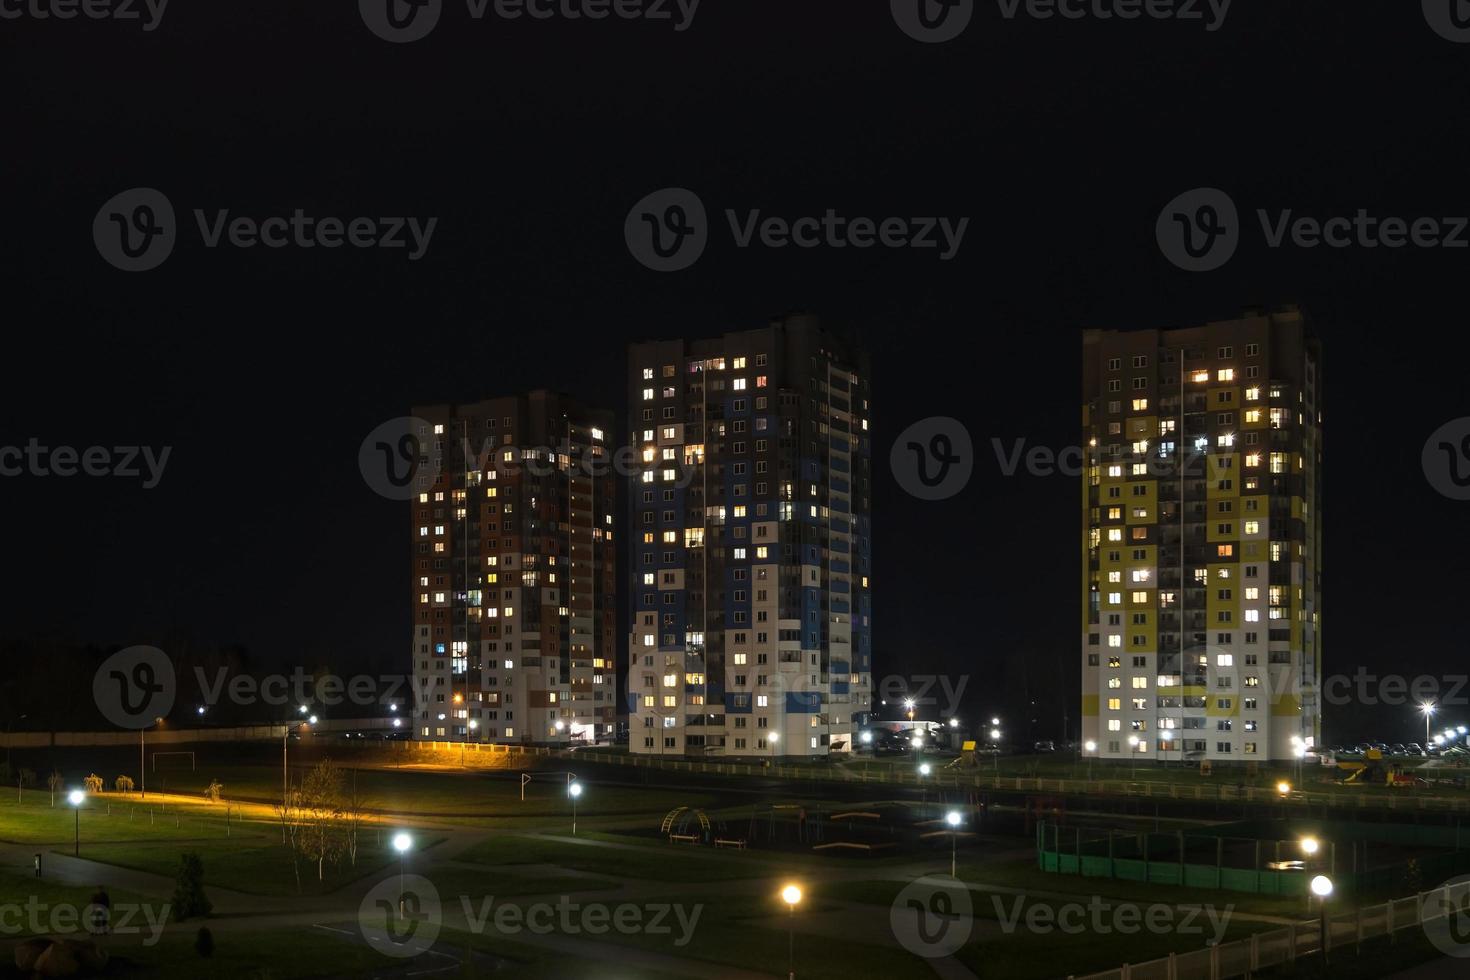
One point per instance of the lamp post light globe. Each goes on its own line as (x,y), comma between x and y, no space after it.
(925,769)
(76,797)
(311,720)
(954,723)
(402,842)
(791,895)
(1283,787)
(574,790)
(1310,846)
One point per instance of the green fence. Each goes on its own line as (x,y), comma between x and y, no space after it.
(1275,864)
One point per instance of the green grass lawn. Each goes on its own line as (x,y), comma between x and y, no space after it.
(748,933)
(664,862)
(454,881)
(257,865)
(116,818)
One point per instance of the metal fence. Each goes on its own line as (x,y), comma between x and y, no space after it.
(1406,800)
(1344,931)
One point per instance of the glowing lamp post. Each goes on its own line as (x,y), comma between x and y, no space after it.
(76,798)
(953,819)
(1428,708)
(1322,888)
(1090,747)
(574,790)
(402,843)
(791,895)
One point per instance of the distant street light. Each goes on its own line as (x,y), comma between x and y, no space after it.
(1428,707)
(1091,748)
(76,798)
(1310,846)
(1283,787)
(402,843)
(791,895)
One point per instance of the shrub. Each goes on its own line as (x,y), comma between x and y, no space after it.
(189,897)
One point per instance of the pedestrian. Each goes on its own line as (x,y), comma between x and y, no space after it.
(101,910)
(38,864)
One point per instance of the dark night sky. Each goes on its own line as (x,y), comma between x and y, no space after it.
(1061,141)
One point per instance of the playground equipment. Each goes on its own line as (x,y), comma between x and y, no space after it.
(691,825)
(1372,770)
(966,759)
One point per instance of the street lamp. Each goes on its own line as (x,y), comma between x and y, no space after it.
(1322,888)
(791,895)
(574,790)
(1133,755)
(1428,707)
(142,759)
(285,777)
(1091,749)
(953,819)
(1310,846)
(76,797)
(401,843)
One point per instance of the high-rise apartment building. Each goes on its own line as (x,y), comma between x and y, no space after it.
(1202,540)
(514,572)
(751,557)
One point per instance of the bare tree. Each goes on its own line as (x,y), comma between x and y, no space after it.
(353,815)
(290,812)
(53,783)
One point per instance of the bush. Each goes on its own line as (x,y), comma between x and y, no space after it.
(189,898)
(93,783)
(123,784)
(213,792)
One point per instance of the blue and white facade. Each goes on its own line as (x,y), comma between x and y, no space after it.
(751,575)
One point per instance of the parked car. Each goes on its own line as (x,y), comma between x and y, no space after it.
(1415,748)
(1046,745)
(1397,748)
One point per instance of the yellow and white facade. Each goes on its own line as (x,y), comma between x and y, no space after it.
(1201,541)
